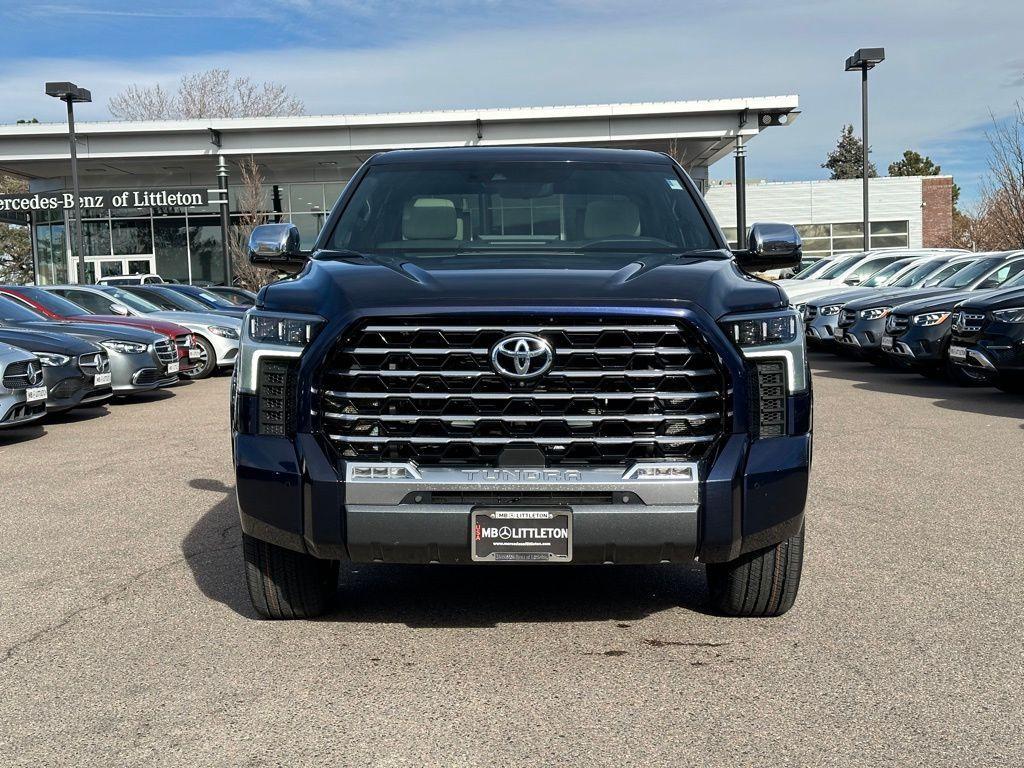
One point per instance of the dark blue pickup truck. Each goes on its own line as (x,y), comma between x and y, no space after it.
(541,355)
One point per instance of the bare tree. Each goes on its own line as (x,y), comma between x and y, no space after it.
(1003,192)
(996,221)
(252,209)
(213,93)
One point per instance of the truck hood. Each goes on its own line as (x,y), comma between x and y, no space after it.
(333,285)
(46,341)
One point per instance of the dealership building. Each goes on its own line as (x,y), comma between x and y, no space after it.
(150,198)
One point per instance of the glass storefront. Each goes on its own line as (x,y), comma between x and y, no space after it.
(182,244)
(847,237)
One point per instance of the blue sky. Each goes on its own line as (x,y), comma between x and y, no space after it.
(951,64)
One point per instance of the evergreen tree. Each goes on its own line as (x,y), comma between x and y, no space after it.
(845,160)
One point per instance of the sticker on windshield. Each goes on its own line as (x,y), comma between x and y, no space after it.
(673,184)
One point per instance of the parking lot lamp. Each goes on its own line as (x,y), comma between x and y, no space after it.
(70,94)
(863,60)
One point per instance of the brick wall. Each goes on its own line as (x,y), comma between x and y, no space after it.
(936,212)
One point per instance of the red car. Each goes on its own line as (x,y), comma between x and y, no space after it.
(57,308)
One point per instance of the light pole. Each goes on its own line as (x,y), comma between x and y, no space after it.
(865,59)
(71,93)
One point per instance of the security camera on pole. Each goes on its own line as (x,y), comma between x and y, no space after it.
(71,93)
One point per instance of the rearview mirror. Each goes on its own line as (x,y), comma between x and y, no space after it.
(276,246)
(770,246)
(119,309)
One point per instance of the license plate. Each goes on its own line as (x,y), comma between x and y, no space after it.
(101,379)
(173,367)
(887,342)
(194,353)
(35,394)
(957,353)
(521,535)
(839,333)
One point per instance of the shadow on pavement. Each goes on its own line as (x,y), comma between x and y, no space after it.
(15,435)
(78,414)
(152,396)
(984,400)
(450,596)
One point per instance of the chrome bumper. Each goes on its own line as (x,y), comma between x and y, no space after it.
(643,484)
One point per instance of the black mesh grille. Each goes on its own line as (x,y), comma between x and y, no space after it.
(618,391)
(277,398)
(66,388)
(768,398)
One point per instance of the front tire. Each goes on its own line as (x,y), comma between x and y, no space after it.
(207,361)
(287,585)
(761,583)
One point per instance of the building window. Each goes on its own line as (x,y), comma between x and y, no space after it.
(844,237)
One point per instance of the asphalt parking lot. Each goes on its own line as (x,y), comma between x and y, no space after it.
(126,636)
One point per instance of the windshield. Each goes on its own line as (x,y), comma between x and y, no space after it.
(131,300)
(882,276)
(916,275)
(812,269)
(169,299)
(56,304)
(969,274)
(839,266)
(13,312)
(936,277)
(522,207)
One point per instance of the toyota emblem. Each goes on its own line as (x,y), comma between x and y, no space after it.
(522,357)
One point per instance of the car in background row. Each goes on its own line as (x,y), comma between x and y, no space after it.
(213,339)
(209,300)
(76,372)
(22,391)
(849,271)
(987,337)
(58,308)
(239,296)
(140,360)
(130,279)
(821,314)
(863,322)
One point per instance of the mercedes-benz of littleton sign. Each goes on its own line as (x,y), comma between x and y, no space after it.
(125,198)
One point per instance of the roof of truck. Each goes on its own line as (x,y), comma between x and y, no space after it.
(506,154)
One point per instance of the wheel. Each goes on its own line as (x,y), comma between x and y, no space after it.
(761,583)
(207,361)
(965,377)
(287,585)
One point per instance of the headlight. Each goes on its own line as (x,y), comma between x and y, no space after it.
(223,331)
(931,318)
(831,310)
(124,347)
(875,313)
(286,330)
(49,359)
(762,331)
(273,335)
(1015,315)
(777,335)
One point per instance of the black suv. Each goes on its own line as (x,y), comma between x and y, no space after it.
(988,338)
(515,355)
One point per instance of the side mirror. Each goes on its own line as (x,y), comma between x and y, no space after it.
(770,246)
(119,309)
(853,281)
(276,246)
